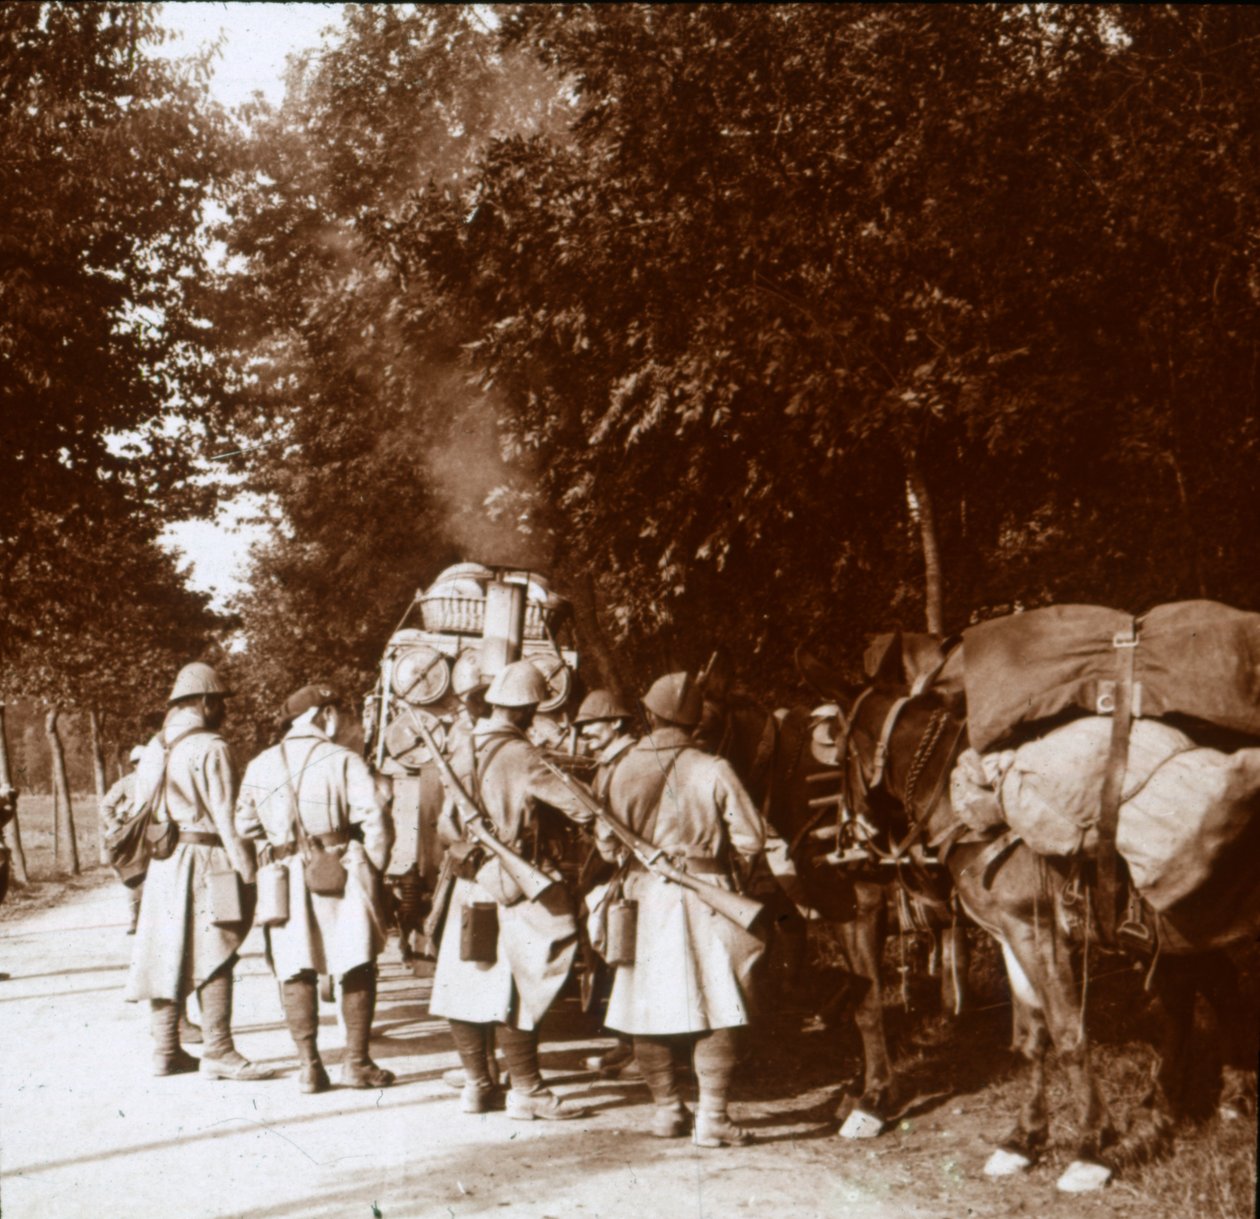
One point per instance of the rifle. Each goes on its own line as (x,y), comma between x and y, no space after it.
(741,910)
(532,881)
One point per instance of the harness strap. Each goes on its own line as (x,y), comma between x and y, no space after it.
(993,856)
(885,737)
(1106,858)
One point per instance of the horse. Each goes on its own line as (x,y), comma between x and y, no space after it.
(892,740)
(789,773)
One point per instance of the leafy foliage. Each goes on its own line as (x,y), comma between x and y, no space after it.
(767,303)
(109,155)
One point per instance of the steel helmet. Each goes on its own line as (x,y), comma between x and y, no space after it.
(675,697)
(519,685)
(601,705)
(197,679)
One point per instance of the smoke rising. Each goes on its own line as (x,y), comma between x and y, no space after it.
(491,503)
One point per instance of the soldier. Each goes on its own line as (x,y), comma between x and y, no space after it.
(309,790)
(536,939)
(689,986)
(187,771)
(603,722)
(117,808)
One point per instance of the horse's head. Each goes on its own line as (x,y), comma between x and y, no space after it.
(898,749)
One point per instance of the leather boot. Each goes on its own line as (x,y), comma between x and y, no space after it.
(475,1043)
(168,1057)
(655,1056)
(301,1013)
(358,1003)
(715,1057)
(220,1059)
(528,1098)
(189,1033)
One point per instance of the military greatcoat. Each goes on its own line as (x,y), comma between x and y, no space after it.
(537,940)
(693,966)
(177,946)
(334,793)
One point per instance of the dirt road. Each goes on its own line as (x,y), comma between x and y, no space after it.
(87,1132)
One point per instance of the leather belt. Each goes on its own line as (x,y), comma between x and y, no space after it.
(334,838)
(198,839)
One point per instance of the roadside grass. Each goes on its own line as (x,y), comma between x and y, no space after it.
(48,882)
(1208,1170)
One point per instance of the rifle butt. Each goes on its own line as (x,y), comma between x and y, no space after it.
(741,910)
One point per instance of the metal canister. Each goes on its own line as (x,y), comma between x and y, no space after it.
(273,895)
(623,923)
(479,933)
(225,898)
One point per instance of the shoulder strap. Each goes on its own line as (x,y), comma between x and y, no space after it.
(480,766)
(649,825)
(167,749)
(295,790)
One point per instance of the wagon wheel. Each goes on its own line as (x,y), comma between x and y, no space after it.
(421,675)
(404,742)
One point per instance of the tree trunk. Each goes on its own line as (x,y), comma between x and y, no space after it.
(63,810)
(921,508)
(12,832)
(101,783)
(592,637)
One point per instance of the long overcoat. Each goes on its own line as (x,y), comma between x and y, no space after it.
(693,967)
(334,791)
(177,946)
(537,939)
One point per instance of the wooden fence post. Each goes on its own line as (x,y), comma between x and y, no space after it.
(63,809)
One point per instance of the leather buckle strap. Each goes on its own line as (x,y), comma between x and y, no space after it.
(197,838)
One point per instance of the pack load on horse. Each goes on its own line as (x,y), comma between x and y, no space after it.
(462,630)
(1025,679)
(1156,762)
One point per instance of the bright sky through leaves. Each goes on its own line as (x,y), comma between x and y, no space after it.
(257,39)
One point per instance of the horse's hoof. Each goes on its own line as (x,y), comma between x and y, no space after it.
(1004,1163)
(861,1125)
(1083,1177)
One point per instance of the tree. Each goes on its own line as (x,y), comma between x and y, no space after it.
(807,319)
(109,156)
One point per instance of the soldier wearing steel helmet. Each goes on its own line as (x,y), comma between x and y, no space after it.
(604,723)
(330,788)
(689,986)
(536,939)
(186,775)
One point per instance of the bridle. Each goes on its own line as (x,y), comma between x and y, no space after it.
(855,780)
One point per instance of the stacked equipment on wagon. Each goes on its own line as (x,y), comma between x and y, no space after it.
(472,619)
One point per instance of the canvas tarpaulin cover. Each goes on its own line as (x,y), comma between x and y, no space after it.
(1193,658)
(1186,813)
